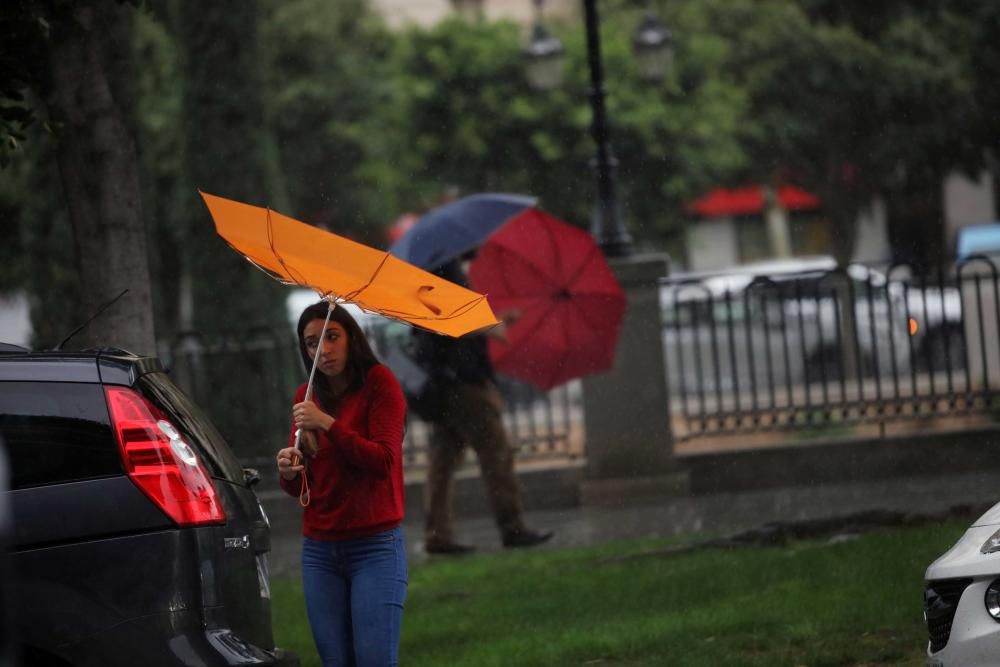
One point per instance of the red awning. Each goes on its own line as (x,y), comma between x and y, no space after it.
(749,200)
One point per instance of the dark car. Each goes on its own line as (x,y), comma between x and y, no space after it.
(137,537)
(6,580)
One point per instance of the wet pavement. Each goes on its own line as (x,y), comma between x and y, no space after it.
(695,517)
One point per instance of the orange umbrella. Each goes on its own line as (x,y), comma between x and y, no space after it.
(345,271)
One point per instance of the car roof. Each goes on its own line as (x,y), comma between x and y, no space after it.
(737,278)
(761,268)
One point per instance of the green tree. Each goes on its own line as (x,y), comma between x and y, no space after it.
(325,81)
(462,114)
(853,101)
(227,150)
(66,56)
(232,316)
(160,140)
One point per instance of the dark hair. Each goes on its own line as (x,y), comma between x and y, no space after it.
(360,357)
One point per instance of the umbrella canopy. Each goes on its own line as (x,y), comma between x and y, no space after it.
(452,230)
(570,302)
(336,267)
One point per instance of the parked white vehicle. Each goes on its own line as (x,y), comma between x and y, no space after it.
(962,599)
(781,318)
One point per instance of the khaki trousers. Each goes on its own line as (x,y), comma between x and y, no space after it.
(472,419)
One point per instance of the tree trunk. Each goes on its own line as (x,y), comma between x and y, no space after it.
(915,210)
(842,214)
(776,220)
(99,169)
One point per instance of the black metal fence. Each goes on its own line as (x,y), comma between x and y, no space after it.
(821,346)
(246,384)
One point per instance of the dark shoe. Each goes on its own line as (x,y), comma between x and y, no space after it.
(526,538)
(448,548)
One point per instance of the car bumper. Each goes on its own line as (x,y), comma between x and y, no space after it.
(172,640)
(975,637)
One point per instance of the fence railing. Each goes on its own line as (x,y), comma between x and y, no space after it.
(245,385)
(541,425)
(830,346)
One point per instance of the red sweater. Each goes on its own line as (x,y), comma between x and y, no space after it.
(356,477)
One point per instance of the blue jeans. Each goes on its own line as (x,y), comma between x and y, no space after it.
(354,592)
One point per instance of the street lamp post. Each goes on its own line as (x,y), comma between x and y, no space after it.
(606,225)
(639,457)
(653,46)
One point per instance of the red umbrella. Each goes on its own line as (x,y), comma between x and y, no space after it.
(570,302)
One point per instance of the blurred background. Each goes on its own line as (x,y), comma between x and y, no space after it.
(857,132)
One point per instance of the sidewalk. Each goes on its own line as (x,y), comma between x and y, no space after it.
(697,516)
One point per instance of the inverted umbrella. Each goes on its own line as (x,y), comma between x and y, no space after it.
(451,230)
(343,270)
(571,305)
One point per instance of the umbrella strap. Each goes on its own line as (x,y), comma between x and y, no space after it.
(304,490)
(304,483)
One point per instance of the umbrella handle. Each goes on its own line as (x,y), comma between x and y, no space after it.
(312,372)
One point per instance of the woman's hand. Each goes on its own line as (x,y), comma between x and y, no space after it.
(308,416)
(290,463)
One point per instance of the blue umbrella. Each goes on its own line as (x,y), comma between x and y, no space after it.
(452,230)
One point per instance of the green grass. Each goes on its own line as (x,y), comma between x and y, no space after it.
(811,603)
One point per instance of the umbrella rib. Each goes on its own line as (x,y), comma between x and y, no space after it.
(583,266)
(257,265)
(554,248)
(562,356)
(274,251)
(523,262)
(457,312)
(351,296)
(354,295)
(585,314)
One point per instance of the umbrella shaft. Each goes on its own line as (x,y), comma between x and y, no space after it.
(312,373)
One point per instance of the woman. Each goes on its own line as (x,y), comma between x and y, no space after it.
(353,557)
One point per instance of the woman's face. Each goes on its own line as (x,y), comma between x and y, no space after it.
(331,344)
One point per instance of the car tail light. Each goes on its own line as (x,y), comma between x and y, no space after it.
(160,462)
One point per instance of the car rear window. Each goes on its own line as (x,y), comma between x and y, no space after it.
(56,432)
(194,424)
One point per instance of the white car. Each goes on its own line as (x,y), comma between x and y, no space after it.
(781,320)
(962,599)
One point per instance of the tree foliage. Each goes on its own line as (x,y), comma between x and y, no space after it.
(325,80)
(65,58)
(462,114)
(854,101)
(317,109)
(24,29)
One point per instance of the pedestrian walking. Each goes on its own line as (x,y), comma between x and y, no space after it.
(348,474)
(464,406)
